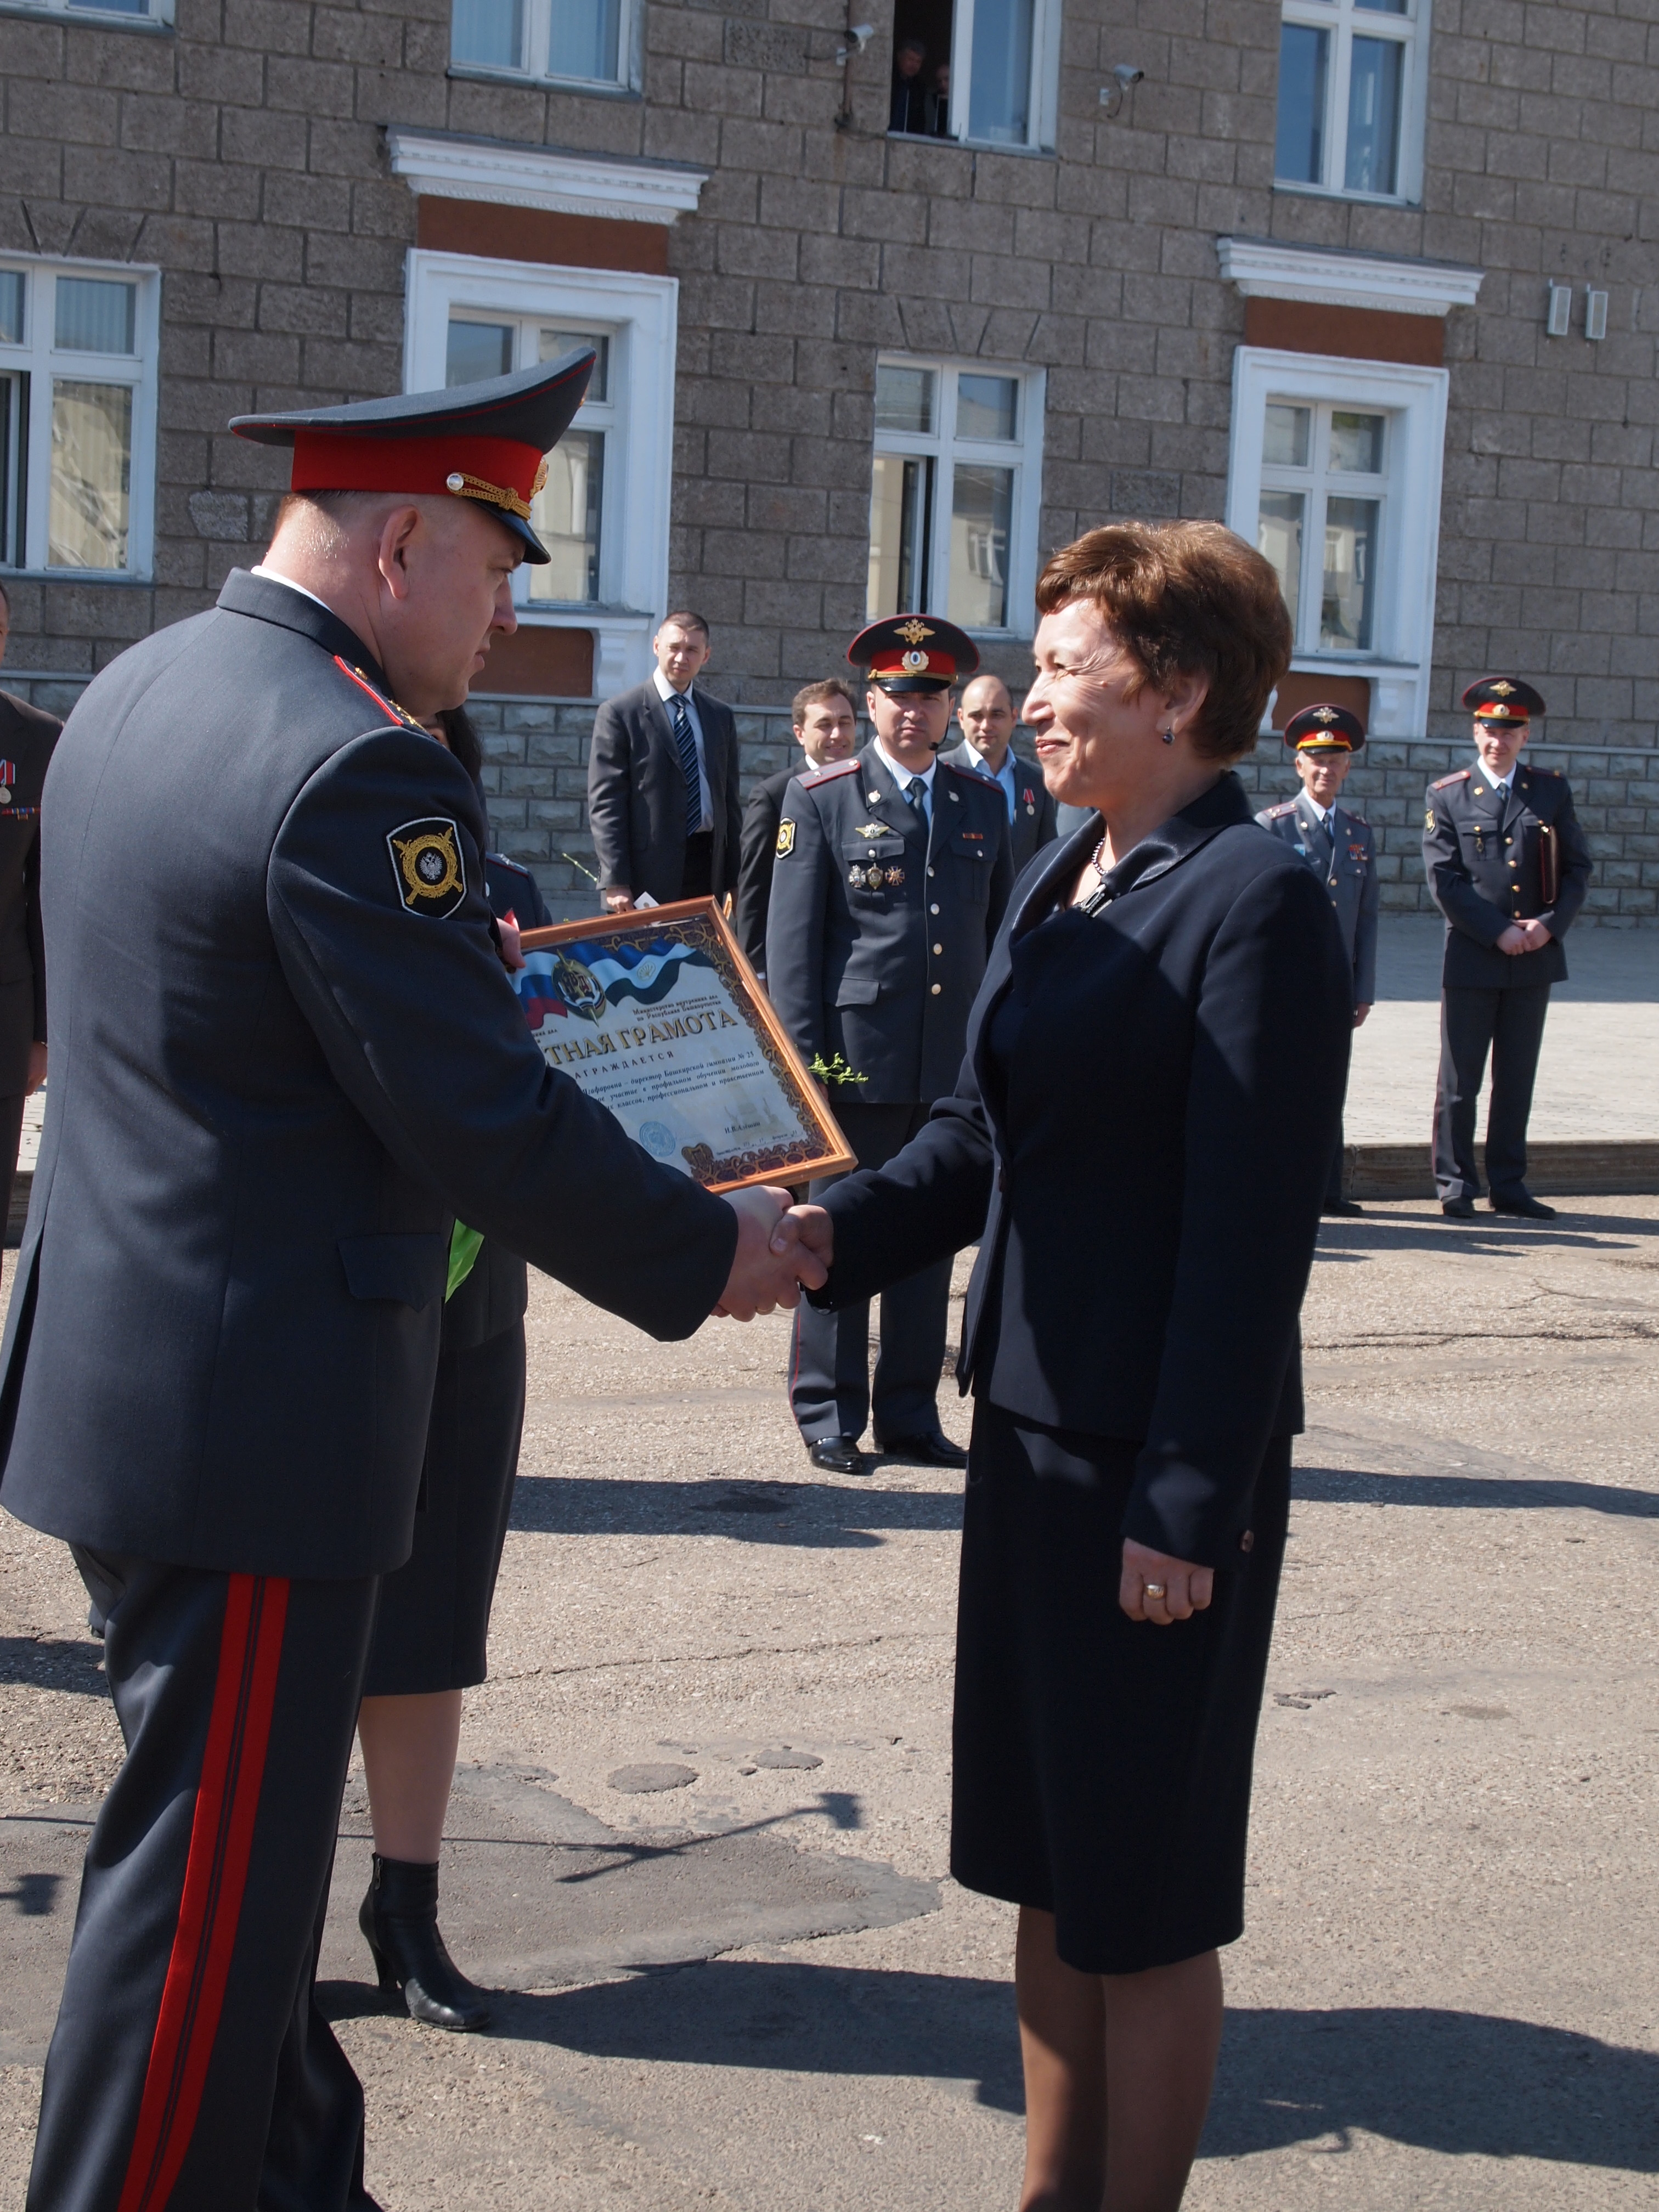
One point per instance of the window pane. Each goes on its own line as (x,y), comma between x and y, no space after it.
(1303,56)
(95,316)
(11,307)
(901,528)
(1383,7)
(565,515)
(982,504)
(1357,444)
(1279,537)
(1285,443)
(988,407)
(14,450)
(1001,101)
(550,344)
(904,399)
(584,41)
(490,34)
(1345,606)
(91,475)
(476,350)
(116,7)
(1374,114)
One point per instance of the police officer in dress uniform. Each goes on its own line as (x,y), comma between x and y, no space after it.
(286,1056)
(1509,867)
(1339,846)
(893,870)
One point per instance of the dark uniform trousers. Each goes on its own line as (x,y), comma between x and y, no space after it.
(190,2069)
(1510,1026)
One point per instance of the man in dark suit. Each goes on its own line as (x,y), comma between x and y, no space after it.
(987,717)
(1509,867)
(662,781)
(827,731)
(893,870)
(26,738)
(1340,849)
(287,1058)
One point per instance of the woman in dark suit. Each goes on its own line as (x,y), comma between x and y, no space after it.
(1155,1068)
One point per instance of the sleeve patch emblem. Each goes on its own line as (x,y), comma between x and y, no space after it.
(426,863)
(1428,819)
(786,840)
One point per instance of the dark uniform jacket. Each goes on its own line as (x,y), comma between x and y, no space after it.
(1341,851)
(759,853)
(285,1055)
(1485,866)
(637,793)
(1153,1166)
(1033,825)
(26,738)
(880,927)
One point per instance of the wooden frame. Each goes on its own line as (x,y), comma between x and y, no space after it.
(698,933)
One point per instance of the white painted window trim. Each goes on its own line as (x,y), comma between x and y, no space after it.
(1025,457)
(1398,667)
(1262,269)
(535,36)
(1043,120)
(456,168)
(39,358)
(642,313)
(1413,30)
(156,14)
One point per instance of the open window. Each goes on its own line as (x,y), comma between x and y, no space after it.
(984,72)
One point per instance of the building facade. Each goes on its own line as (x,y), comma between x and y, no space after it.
(885,310)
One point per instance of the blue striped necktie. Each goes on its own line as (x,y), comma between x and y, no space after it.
(688,746)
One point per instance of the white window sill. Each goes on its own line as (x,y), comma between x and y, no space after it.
(103,19)
(67,576)
(975,145)
(603,88)
(1335,192)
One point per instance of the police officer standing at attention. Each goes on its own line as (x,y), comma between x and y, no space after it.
(1509,867)
(1339,846)
(286,1056)
(893,870)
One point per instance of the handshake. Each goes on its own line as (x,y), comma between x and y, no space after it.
(782,1249)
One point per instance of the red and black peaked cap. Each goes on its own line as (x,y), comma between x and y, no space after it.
(913,652)
(486,441)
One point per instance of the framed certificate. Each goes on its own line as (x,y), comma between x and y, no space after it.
(660,1018)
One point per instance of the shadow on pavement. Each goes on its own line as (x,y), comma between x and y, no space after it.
(819,1514)
(1381,1230)
(49,1665)
(1327,1486)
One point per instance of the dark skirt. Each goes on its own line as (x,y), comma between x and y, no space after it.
(1101,1766)
(433,1623)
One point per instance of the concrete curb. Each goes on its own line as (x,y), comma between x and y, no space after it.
(1594,1167)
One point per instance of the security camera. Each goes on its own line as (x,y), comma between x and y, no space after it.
(861,34)
(1126,75)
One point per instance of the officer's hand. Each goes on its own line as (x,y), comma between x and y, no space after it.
(817,1234)
(507,928)
(1359,1014)
(1181,1589)
(37,1074)
(1536,934)
(1514,940)
(771,1259)
(617,901)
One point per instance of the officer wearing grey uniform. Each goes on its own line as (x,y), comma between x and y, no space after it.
(887,894)
(1341,847)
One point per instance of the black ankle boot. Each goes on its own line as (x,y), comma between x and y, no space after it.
(399,1921)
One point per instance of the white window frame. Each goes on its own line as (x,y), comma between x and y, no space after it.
(1043,121)
(641,314)
(156,15)
(40,359)
(536,40)
(1023,456)
(1399,663)
(1412,30)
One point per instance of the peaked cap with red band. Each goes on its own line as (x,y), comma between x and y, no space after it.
(487,442)
(1503,699)
(1324,728)
(913,652)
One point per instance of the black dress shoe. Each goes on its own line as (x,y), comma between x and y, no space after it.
(399,1921)
(1344,1206)
(934,1450)
(1458,1209)
(1528,1208)
(837,1455)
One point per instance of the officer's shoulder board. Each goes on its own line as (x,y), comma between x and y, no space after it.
(1274,813)
(501,860)
(827,775)
(1359,819)
(389,707)
(970,775)
(1457,775)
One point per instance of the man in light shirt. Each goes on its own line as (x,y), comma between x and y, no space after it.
(987,719)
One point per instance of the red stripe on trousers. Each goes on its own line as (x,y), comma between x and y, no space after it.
(215,1874)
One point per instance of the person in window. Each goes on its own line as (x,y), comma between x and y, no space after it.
(911,96)
(26,738)
(939,103)
(1153,1077)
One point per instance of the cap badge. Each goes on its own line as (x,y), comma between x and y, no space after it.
(912,631)
(540,476)
(1502,690)
(914,660)
(1326,715)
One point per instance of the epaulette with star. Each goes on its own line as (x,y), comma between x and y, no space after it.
(1457,775)
(829,775)
(394,713)
(1285,806)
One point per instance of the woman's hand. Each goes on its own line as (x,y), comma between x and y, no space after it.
(1159,1589)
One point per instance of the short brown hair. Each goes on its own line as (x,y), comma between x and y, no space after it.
(682,618)
(813,695)
(1185,599)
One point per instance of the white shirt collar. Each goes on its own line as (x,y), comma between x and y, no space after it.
(276,576)
(1321,812)
(665,690)
(902,776)
(1003,775)
(1482,773)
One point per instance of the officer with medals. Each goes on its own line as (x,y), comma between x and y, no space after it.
(1508,866)
(286,1057)
(893,870)
(1341,847)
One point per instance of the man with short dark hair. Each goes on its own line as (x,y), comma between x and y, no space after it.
(662,780)
(826,730)
(986,714)
(911,101)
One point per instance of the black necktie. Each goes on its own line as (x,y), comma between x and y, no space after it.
(688,746)
(916,792)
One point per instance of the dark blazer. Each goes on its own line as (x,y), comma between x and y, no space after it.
(637,793)
(757,860)
(880,923)
(285,1056)
(26,738)
(1153,1173)
(1033,826)
(1484,870)
(1342,853)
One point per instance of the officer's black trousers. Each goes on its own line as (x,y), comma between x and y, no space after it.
(830,1388)
(190,2070)
(1509,1025)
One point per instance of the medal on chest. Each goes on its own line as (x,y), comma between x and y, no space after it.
(7,781)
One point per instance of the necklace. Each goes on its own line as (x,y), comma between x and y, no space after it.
(1100,896)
